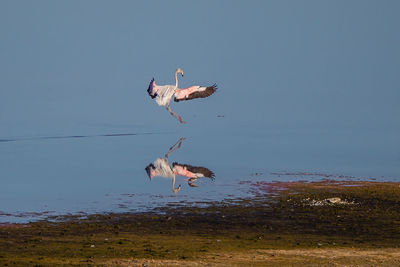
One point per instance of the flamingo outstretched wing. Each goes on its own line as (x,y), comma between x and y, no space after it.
(194,92)
(192,171)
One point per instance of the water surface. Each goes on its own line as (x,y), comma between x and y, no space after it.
(102,168)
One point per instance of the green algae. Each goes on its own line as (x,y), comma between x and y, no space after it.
(282,218)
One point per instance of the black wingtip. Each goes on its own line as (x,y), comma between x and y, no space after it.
(148,169)
(150,89)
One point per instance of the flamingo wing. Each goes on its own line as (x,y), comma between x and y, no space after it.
(192,171)
(161,93)
(194,92)
(152,90)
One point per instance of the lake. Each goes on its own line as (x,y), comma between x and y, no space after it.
(96,168)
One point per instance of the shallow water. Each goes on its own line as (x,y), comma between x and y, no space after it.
(97,169)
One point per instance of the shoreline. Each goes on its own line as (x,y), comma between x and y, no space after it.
(324,220)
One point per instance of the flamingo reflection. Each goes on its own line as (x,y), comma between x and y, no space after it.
(160,167)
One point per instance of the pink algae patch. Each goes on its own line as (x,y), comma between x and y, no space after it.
(13,225)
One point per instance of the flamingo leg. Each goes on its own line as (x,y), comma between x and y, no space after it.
(175,115)
(175,147)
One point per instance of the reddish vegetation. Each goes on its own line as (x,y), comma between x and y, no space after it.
(325,175)
(12,225)
(324,184)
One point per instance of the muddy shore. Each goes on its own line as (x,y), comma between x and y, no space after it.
(314,223)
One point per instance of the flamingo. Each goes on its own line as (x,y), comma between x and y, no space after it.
(161,167)
(164,93)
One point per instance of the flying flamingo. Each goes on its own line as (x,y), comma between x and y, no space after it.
(164,93)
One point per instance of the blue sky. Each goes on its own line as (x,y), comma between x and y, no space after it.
(288,63)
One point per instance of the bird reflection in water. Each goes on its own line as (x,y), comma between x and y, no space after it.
(160,167)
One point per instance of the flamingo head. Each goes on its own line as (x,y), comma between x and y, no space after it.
(180,71)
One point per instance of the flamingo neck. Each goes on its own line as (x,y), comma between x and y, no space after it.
(175,190)
(176,79)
